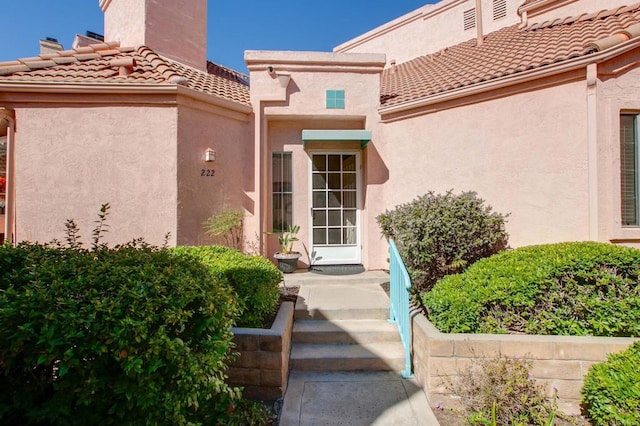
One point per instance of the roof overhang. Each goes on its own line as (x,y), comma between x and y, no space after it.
(406,109)
(362,136)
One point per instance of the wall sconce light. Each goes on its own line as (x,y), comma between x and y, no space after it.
(209,155)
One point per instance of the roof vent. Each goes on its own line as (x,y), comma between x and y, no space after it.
(125,65)
(94,36)
(469,19)
(50,45)
(499,9)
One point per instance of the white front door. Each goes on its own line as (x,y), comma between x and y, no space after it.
(335,208)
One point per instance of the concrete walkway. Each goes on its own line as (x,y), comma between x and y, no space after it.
(361,397)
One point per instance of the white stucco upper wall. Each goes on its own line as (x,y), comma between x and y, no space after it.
(428,29)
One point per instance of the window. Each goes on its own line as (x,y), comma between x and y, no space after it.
(469,18)
(335,99)
(629,191)
(282,191)
(499,9)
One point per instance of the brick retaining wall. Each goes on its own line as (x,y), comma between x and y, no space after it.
(560,361)
(263,365)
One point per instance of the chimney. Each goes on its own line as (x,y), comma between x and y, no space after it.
(50,45)
(81,40)
(176,29)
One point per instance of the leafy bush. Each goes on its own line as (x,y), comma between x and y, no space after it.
(579,288)
(439,234)
(226,225)
(611,392)
(255,280)
(501,391)
(130,335)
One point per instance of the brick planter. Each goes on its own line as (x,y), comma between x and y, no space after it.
(263,365)
(558,361)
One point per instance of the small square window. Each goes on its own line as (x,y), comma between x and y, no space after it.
(335,99)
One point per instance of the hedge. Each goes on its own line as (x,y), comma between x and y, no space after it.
(254,279)
(130,335)
(579,288)
(441,234)
(611,392)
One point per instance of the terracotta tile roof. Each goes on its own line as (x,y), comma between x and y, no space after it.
(101,63)
(504,52)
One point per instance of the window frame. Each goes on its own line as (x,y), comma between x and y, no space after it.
(335,99)
(282,194)
(635,129)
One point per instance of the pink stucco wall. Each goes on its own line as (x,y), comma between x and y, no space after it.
(616,94)
(71,160)
(525,154)
(201,195)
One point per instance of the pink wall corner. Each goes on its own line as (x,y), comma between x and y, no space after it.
(616,93)
(71,160)
(525,154)
(205,187)
(286,135)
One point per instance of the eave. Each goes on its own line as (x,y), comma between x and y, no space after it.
(21,87)
(403,110)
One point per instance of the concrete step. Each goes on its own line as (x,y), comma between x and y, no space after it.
(309,278)
(344,331)
(379,314)
(342,302)
(386,356)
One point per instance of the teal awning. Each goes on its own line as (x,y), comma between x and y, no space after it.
(363,136)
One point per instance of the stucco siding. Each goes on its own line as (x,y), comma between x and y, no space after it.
(71,160)
(616,94)
(205,187)
(526,155)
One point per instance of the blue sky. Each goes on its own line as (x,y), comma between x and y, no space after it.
(279,24)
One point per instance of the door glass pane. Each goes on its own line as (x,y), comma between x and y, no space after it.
(335,218)
(349,180)
(319,218)
(319,236)
(349,163)
(349,218)
(334,181)
(349,199)
(334,163)
(319,199)
(335,198)
(320,163)
(319,180)
(335,236)
(350,235)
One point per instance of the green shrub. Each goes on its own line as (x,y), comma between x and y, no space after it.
(130,335)
(611,392)
(255,280)
(439,234)
(580,288)
(501,391)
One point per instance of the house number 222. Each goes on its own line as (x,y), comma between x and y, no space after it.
(207,172)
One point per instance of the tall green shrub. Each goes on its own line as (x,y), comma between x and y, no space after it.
(254,279)
(611,392)
(130,335)
(578,288)
(441,234)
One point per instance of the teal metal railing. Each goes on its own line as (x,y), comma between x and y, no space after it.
(399,286)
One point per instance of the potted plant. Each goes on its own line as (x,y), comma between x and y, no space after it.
(287,258)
